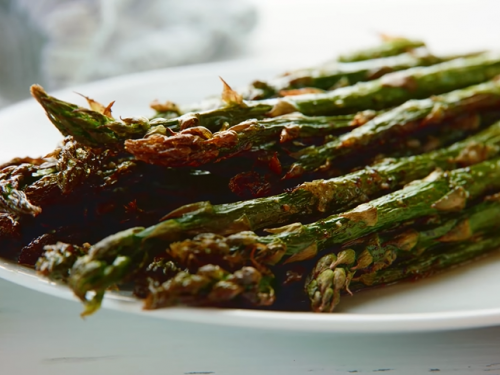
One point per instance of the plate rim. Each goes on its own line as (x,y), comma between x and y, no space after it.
(264,319)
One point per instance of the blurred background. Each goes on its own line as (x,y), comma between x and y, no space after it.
(62,43)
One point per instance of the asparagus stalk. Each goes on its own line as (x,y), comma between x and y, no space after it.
(319,196)
(391,46)
(24,188)
(332,74)
(409,117)
(12,199)
(398,87)
(390,90)
(437,258)
(71,190)
(58,259)
(363,261)
(116,256)
(198,146)
(156,273)
(72,166)
(212,285)
(99,129)
(441,192)
(89,127)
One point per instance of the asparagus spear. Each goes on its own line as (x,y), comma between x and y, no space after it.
(93,127)
(116,256)
(27,186)
(197,146)
(72,166)
(96,128)
(412,115)
(390,46)
(363,261)
(437,258)
(332,195)
(57,260)
(441,192)
(333,273)
(390,90)
(211,285)
(74,188)
(156,273)
(373,258)
(398,87)
(12,199)
(332,74)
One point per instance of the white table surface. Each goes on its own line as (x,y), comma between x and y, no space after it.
(41,334)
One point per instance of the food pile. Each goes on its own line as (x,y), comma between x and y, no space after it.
(381,166)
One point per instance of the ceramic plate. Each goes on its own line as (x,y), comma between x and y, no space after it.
(465,297)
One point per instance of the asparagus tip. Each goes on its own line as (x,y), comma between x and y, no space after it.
(38,92)
(229,96)
(92,305)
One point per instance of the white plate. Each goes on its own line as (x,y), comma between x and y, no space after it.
(465,297)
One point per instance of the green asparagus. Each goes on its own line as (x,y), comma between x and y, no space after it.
(198,146)
(111,259)
(363,260)
(207,253)
(58,259)
(13,199)
(99,129)
(396,88)
(87,126)
(212,285)
(93,128)
(60,172)
(333,75)
(440,192)
(332,195)
(391,46)
(437,258)
(409,117)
